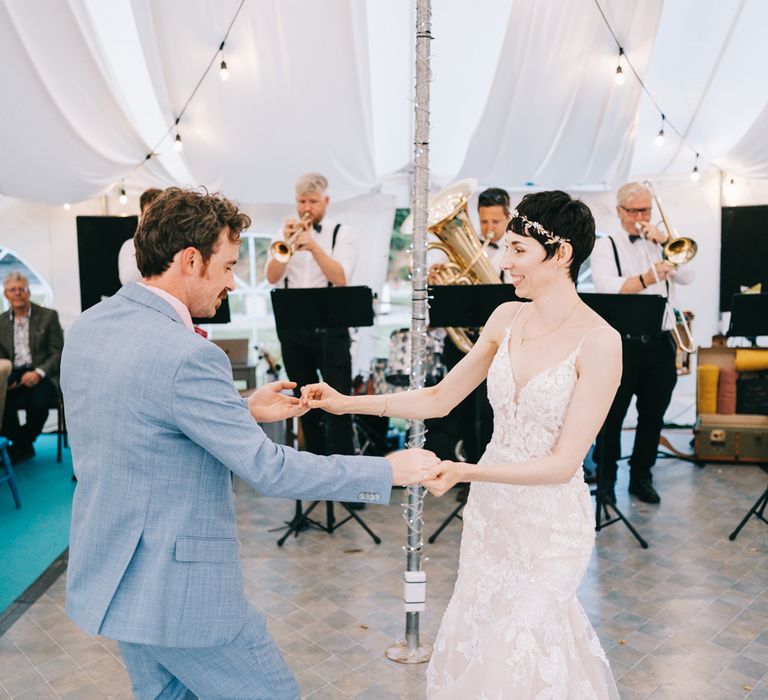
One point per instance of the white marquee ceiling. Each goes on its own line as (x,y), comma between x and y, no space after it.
(522,92)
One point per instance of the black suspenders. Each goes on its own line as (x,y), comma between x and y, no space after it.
(615,255)
(333,245)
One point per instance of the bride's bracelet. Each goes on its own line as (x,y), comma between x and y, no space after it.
(386,406)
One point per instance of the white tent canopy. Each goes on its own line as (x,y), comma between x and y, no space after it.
(523,92)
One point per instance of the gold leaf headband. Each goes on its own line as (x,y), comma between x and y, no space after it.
(536,226)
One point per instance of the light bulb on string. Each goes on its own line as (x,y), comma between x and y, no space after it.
(659,139)
(223,71)
(123,196)
(67,206)
(695,174)
(619,77)
(177,143)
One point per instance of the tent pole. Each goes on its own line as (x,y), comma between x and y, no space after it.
(411,650)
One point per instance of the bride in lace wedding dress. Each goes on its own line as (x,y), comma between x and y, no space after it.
(514,628)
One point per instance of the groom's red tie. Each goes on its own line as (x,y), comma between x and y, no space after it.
(200,331)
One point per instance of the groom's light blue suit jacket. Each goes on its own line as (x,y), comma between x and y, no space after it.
(156,426)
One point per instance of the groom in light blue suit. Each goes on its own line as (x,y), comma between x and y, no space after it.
(156,428)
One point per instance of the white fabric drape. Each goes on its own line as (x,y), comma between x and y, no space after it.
(63,135)
(297,98)
(523,92)
(554,116)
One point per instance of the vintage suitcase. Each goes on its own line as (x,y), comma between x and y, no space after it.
(731,438)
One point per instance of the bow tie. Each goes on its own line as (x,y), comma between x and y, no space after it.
(633,238)
(200,331)
(317,227)
(495,246)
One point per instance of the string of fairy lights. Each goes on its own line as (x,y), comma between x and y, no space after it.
(659,139)
(619,79)
(178,143)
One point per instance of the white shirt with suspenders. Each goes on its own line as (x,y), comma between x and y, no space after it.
(303,272)
(616,258)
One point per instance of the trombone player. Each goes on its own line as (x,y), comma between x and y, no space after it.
(312,251)
(631,263)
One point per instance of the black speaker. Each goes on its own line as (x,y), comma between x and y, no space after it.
(98,242)
(99,239)
(744,251)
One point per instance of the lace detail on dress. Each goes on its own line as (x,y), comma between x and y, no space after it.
(514,628)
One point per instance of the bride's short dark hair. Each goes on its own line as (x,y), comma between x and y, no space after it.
(558,216)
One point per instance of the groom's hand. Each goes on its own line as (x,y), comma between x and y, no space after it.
(268,403)
(413,466)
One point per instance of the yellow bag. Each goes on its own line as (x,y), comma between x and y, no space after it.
(751,360)
(706,388)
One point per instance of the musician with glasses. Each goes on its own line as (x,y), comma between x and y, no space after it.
(324,254)
(621,264)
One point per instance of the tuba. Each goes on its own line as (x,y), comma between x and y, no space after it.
(468,263)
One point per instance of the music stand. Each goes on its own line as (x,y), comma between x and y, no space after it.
(630,315)
(749,318)
(322,308)
(465,306)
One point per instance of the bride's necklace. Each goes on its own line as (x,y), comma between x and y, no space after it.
(523,339)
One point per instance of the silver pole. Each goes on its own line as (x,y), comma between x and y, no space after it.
(411,650)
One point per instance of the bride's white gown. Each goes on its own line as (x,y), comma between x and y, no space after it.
(514,628)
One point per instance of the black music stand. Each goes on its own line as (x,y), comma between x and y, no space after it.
(749,316)
(322,308)
(465,306)
(630,315)
(749,319)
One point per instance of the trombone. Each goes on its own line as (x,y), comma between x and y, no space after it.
(281,251)
(677,251)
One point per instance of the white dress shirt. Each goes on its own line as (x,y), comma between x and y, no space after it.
(634,261)
(126,263)
(22,354)
(303,271)
(178,305)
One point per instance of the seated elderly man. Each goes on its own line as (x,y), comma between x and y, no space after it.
(31,339)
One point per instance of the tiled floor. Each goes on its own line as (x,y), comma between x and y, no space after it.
(687,618)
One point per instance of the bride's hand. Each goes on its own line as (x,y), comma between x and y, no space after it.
(451,473)
(321,395)
(268,404)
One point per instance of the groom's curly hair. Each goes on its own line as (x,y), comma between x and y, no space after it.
(563,216)
(182,218)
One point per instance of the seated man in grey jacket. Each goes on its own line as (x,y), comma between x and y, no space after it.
(31,338)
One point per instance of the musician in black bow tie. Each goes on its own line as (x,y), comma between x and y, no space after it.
(621,264)
(493,212)
(323,254)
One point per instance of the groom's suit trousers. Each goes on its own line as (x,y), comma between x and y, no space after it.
(250,667)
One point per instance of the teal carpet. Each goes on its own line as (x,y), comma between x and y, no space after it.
(33,536)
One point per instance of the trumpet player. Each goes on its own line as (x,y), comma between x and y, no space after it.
(631,263)
(316,252)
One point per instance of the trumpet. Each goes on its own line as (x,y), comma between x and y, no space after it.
(281,251)
(677,251)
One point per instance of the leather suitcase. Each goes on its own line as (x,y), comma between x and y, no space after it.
(731,438)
